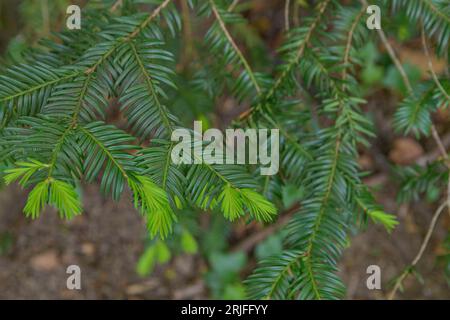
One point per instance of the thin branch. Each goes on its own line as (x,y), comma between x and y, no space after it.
(430,65)
(45,17)
(249,243)
(433,129)
(349,46)
(233,5)
(434,154)
(291,63)
(296,13)
(396,61)
(150,18)
(130,36)
(300,51)
(440,145)
(187,27)
(286,14)
(235,47)
(398,282)
(428,235)
(116,5)
(406,81)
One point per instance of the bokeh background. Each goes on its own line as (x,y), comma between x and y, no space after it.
(209,257)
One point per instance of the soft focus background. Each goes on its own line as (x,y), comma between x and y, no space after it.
(109,240)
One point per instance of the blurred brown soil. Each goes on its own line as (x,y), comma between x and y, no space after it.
(107,240)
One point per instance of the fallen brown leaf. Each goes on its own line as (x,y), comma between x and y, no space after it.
(46,261)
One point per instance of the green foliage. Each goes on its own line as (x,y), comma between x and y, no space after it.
(223,278)
(155,253)
(159,252)
(414,114)
(433,14)
(273,278)
(57,193)
(233,200)
(152,201)
(317,233)
(188,243)
(24,171)
(57,131)
(59,111)
(273,245)
(416,180)
(387,220)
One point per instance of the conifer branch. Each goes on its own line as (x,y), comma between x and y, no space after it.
(291,64)
(235,47)
(151,87)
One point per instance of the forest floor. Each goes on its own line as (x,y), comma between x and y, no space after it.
(107,239)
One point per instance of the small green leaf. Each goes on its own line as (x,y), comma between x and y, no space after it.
(188,243)
(65,198)
(37,199)
(231,203)
(162,252)
(157,252)
(146,262)
(272,246)
(260,208)
(57,193)
(152,202)
(234,291)
(389,221)
(24,169)
(291,194)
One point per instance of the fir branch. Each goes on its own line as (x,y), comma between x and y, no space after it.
(40,86)
(151,88)
(301,49)
(130,36)
(348,47)
(235,47)
(94,67)
(290,65)
(105,150)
